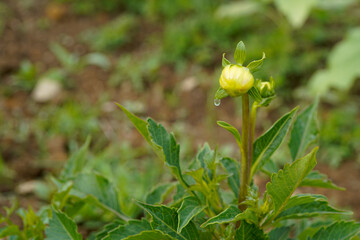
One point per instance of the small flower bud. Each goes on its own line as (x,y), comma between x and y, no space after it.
(266,89)
(236,80)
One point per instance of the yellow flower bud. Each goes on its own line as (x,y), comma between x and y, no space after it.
(266,89)
(236,80)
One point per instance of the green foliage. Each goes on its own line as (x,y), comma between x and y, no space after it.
(61,226)
(113,35)
(213,197)
(26,76)
(342,69)
(304,132)
(340,136)
(266,145)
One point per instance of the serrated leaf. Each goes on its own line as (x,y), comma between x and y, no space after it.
(232,130)
(232,167)
(76,162)
(317,179)
(225,216)
(108,228)
(296,11)
(165,219)
(139,124)
(338,231)
(167,143)
(189,208)
(206,157)
(255,65)
(255,94)
(99,188)
(225,62)
(266,144)
(284,183)
(220,94)
(150,235)
(133,227)
(61,227)
(248,231)
(306,206)
(281,233)
(158,194)
(305,131)
(240,53)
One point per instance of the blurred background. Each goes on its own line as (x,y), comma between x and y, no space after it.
(63,64)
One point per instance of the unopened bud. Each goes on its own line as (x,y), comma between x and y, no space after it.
(236,80)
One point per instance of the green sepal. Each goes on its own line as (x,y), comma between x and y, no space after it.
(255,94)
(240,53)
(224,61)
(255,65)
(220,94)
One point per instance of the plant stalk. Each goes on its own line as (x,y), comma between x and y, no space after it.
(251,138)
(245,150)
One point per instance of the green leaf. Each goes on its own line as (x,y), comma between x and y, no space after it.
(317,179)
(248,231)
(225,216)
(139,124)
(159,193)
(284,183)
(232,130)
(61,227)
(255,65)
(150,235)
(133,227)
(11,230)
(108,228)
(165,219)
(220,94)
(338,231)
(225,62)
(266,144)
(304,132)
(255,94)
(306,206)
(76,162)
(240,53)
(100,189)
(167,143)
(296,11)
(281,233)
(189,208)
(232,167)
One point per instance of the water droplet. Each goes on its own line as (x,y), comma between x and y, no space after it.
(217,102)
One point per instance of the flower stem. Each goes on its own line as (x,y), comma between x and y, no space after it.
(251,138)
(245,150)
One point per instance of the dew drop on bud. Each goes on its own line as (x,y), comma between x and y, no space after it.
(217,102)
